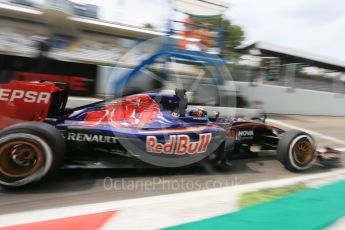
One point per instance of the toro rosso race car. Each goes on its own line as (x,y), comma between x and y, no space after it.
(38,135)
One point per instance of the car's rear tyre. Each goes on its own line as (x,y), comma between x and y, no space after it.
(29,151)
(296,150)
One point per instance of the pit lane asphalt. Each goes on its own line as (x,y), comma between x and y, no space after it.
(74,187)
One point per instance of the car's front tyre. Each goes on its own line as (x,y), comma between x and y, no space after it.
(296,150)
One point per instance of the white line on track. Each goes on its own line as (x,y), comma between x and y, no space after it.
(320,135)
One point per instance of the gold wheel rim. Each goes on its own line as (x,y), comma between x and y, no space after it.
(20,158)
(303,151)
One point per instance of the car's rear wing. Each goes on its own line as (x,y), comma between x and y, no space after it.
(31,101)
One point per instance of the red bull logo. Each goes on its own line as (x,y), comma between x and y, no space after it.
(179,144)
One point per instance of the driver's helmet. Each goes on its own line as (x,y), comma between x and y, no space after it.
(197,112)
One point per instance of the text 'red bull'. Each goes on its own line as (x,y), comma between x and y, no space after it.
(179,144)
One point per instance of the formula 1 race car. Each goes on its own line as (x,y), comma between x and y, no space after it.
(38,134)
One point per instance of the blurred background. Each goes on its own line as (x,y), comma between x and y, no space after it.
(268,47)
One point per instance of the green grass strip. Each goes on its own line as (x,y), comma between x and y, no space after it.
(306,210)
(252,198)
